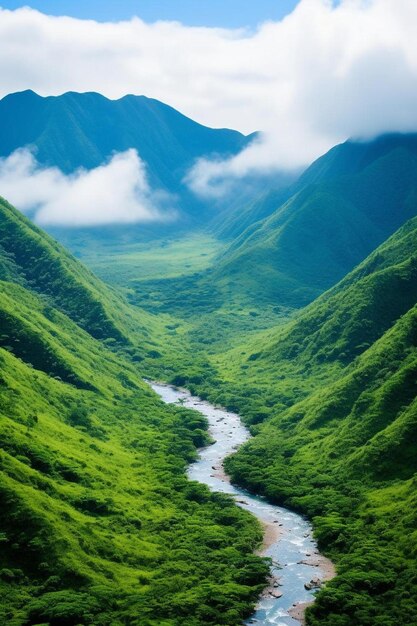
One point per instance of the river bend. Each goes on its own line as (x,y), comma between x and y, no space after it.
(297,563)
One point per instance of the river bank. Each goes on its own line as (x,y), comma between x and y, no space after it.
(298,569)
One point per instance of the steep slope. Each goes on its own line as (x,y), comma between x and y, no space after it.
(346,204)
(242,214)
(232,225)
(346,320)
(98,523)
(31,258)
(346,455)
(331,397)
(40,262)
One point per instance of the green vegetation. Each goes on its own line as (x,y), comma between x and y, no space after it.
(342,208)
(98,523)
(331,400)
(123,265)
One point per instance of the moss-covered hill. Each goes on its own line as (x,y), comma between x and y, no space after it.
(331,397)
(98,523)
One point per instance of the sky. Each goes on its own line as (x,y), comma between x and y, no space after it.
(309,79)
(216,13)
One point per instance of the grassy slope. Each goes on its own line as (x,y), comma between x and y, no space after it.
(98,523)
(35,260)
(331,399)
(346,456)
(242,214)
(345,205)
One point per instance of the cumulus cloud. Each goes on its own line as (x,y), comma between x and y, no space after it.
(116,192)
(324,73)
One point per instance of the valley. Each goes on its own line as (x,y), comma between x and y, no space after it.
(98,521)
(294,307)
(297,569)
(328,393)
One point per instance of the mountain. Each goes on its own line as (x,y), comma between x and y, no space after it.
(331,397)
(84,129)
(347,203)
(98,522)
(239,218)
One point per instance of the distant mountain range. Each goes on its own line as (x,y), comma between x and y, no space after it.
(84,129)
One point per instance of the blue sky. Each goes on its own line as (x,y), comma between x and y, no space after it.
(330,71)
(225,13)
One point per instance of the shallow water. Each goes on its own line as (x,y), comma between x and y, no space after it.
(293,543)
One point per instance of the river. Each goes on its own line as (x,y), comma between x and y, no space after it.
(288,536)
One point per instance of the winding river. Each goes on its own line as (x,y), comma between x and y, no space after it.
(296,562)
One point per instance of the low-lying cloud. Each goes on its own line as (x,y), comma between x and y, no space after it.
(116,192)
(328,71)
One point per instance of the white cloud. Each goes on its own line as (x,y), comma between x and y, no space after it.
(116,192)
(324,73)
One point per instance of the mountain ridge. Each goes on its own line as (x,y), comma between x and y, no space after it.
(336,214)
(93,119)
(77,131)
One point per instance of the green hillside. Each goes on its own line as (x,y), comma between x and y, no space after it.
(345,204)
(331,397)
(36,261)
(98,522)
(241,215)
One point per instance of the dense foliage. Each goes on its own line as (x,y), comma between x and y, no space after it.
(331,400)
(98,523)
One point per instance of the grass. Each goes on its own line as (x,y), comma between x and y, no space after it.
(171,280)
(125,264)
